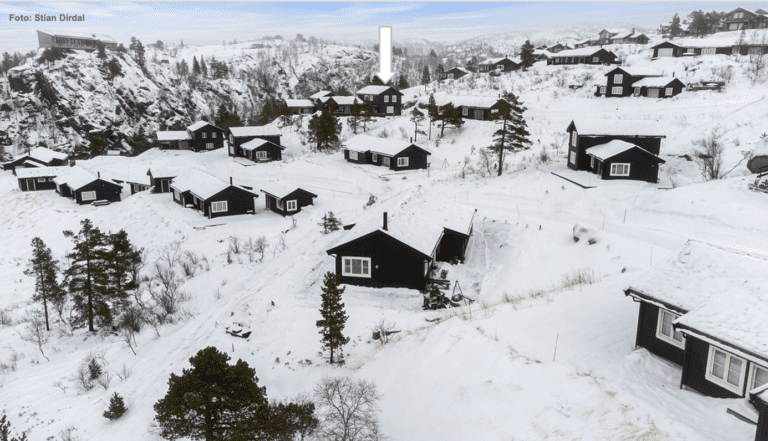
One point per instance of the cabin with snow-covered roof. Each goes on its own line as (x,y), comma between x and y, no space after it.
(500,65)
(584,134)
(392,154)
(301,107)
(395,242)
(285,199)
(456,73)
(587,55)
(481,108)
(200,136)
(637,81)
(72,39)
(263,143)
(629,37)
(386,100)
(38,178)
(161,177)
(211,196)
(37,157)
(703,308)
(83,187)
(606,34)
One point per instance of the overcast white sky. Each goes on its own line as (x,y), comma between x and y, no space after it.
(210,23)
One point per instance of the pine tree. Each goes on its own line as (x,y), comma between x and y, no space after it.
(439,72)
(513,134)
(432,53)
(355,116)
(87,276)
(101,53)
(675,28)
(472,64)
(325,129)
(224,119)
(368,114)
(450,115)
(97,146)
(285,114)
(425,79)
(526,55)
(402,83)
(432,112)
(203,67)
(121,258)
(5,431)
(138,52)
(330,223)
(416,118)
(195,66)
(116,407)
(334,319)
(43,268)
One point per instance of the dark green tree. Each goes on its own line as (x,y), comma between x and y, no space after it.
(122,257)
(97,146)
(432,53)
(325,129)
(226,119)
(43,268)
(526,55)
(116,407)
(472,64)
(217,401)
(5,431)
(513,133)
(416,118)
(425,79)
(368,114)
(87,276)
(195,66)
(439,72)
(101,51)
(7,61)
(450,115)
(355,116)
(433,112)
(334,318)
(402,83)
(284,113)
(203,67)
(114,68)
(330,223)
(675,28)
(121,49)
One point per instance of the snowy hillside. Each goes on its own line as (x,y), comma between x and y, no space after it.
(545,352)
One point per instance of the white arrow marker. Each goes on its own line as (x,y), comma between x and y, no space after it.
(385,54)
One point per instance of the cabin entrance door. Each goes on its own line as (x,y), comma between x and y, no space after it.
(666,52)
(269,205)
(385,161)
(653,93)
(164,186)
(30,184)
(479,114)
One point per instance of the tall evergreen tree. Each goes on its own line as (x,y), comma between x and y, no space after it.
(472,64)
(355,116)
(87,276)
(439,72)
(368,114)
(226,119)
(425,79)
(675,28)
(101,52)
(325,129)
(42,267)
(284,113)
(195,66)
(513,134)
(526,55)
(97,146)
(416,118)
(402,83)
(203,67)
(122,257)
(334,318)
(450,115)
(5,431)
(432,112)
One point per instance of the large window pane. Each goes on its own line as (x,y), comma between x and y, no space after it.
(761,377)
(734,371)
(718,366)
(356,264)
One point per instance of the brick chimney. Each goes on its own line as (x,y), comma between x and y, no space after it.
(385,221)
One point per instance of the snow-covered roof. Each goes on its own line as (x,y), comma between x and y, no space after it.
(415,219)
(166,172)
(199,125)
(706,42)
(280,189)
(256,143)
(268,130)
(173,135)
(609,149)
(622,35)
(346,100)
(581,52)
(485,102)
(75,177)
(74,34)
(640,71)
(299,103)
(460,69)
(199,183)
(544,52)
(654,82)
(39,172)
(47,155)
(321,94)
(618,127)
(615,30)
(372,90)
(498,60)
(384,146)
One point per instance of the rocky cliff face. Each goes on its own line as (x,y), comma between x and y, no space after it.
(60,104)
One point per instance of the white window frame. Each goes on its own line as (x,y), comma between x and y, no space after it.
(689,50)
(618,78)
(668,91)
(40,179)
(205,135)
(353,155)
(592,162)
(637,91)
(450,76)
(231,139)
(374,157)
(176,194)
(499,67)
(595,59)
(708,51)
(232,149)
(260,154)
(494,110)
(464,111)
(386,98)
(572,158)
(618,90)
(88,195)
(603,90)
(402,161)
(350,259)
(574,138)
(660,328)
(291,205)
(219,207)
(394,98)
(209,146)
(723,382)
(391,109)
(753,374)
(615,168)
(213,135)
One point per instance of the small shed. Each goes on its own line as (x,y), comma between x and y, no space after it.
(659,87)
(211,196)
(586,133)
(161,177)
(37,157)
(84,188)
(38,178)
(286,199)
(392,154)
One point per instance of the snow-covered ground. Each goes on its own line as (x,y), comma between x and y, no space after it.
(529,360)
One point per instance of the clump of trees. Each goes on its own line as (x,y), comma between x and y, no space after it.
(324,129)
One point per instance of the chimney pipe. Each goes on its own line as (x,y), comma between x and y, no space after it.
(385,221)
(230,180)
(98,174)
(411,143)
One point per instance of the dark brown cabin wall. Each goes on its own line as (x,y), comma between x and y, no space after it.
(642,167)
(653,145)
(239,201)
(646,335)
(695,368)
(104,192)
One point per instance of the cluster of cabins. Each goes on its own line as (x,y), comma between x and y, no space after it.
(258,143)
(735,20)
(634,81)
(614,36)
(386,101)
(707,46)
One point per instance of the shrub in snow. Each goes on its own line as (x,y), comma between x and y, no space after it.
(583,232)
(116,407)
(5,431)
(330,223)
(348,406)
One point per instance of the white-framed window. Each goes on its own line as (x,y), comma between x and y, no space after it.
(758,376)
(219,206)
(574,138)
(595,59)
(232,149)
(499,67)
(603,90)
(617,90)
(353,155)
(205,135)
(88,195)
(356,266)
(618,78)
(402,162)
(374,157)
(261,155)
(40,179)
(209,146)
(291,205)
(450,76)
(668,91)
(637,91)
(592,162)
(494,110)
(708,51)
(735,50)
(464,111)
(279,203)
(231,139)
(664,330)
(386,98)
(394,98)
(176,194)
(213,135)
(690,50)
(390,109)
(573,158)
(619,169)
(725,369)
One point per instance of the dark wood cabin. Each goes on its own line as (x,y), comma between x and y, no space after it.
(630,37)
(261,150)
(691,48)
(394,155)
(479,108)
(72,39)
(741,18)
(301,107)
(587,55)
(238,136)
(386,100)
(37,157)
(605,35)
(661,87)
(211,196)
(84,188)
(583,134)
(623,160)
(400,254)
(286,200)
(759,399)
(620,80)
(200,136)
(343,104)
(499,65)
(160,178)
(456,73)
(38,178)
(138,184)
